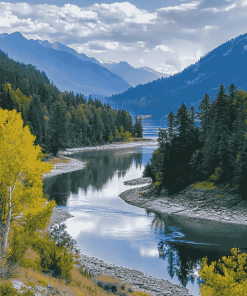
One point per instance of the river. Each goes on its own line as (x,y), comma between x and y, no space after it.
(105,227)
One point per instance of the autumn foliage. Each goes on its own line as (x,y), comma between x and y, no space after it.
(228,276)
(21,169)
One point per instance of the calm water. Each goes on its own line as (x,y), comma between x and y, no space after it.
(107,228)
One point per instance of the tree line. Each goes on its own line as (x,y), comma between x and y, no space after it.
(210,144)
(60,120)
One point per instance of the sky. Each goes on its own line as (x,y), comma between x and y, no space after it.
(166,35)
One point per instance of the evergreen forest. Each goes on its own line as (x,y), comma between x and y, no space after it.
(60,120)
(208,145)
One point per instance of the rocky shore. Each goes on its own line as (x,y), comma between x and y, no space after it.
(71,165)
(59,216)
(138,181)
(111,146)
(138,280)
(211,204)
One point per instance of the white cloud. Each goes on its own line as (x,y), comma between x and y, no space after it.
(111,45)
(211,27)
(74,11)
(187,6)
(8,19)
(243,3)
(223,9)
(124,11)
(142,61)
(163,48)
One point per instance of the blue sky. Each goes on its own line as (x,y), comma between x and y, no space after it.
(165,35)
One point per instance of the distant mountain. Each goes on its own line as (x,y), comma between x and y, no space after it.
(225,64)
(62,47)
(153,71)
(63,66)
(133,76)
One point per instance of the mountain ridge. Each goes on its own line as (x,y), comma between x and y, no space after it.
(60,66)
(133,76)
(222,65)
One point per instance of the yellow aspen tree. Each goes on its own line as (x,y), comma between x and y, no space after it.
(21,169)
(228,276)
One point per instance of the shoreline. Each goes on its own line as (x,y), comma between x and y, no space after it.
(190,203)
(110,146)
(73,164)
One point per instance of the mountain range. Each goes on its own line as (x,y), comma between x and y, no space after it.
(70,70)
(223,65)
(134,76)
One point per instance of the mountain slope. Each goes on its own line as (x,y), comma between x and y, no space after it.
(62,47)
(133,76)
(159,74)
(223,65)
(67,71)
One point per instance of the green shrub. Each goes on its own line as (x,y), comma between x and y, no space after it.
(7,289)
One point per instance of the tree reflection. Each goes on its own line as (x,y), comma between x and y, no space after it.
(101,167)
(183,257)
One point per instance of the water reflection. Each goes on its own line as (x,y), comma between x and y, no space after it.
(101,168)
(184,242)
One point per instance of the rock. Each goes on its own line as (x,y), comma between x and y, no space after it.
(138,181)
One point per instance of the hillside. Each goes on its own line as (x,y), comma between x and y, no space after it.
(66,70)
(223,65)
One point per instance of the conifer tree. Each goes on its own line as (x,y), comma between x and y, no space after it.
(59,126)
(184,126)
(171,126)
(162,137)
(34,117)
(232,97)
(204,116)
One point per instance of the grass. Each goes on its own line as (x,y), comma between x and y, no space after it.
(205,185)
(79,285)
(56,160)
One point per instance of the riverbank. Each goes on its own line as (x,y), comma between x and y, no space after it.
(117,145)
(111,146)
(221,205)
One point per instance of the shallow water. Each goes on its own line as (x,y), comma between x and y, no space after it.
(107,228)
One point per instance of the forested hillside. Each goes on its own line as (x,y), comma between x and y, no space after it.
(60,120)
(215,151)
(223,65)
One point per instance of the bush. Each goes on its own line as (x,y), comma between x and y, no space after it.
(54,258)
(8,290)
(113,288)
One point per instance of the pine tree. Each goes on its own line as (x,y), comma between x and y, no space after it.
(171,126)
(162,137)
(204,116)
(184,126)
(34,117)
(232,97)
(59,127)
